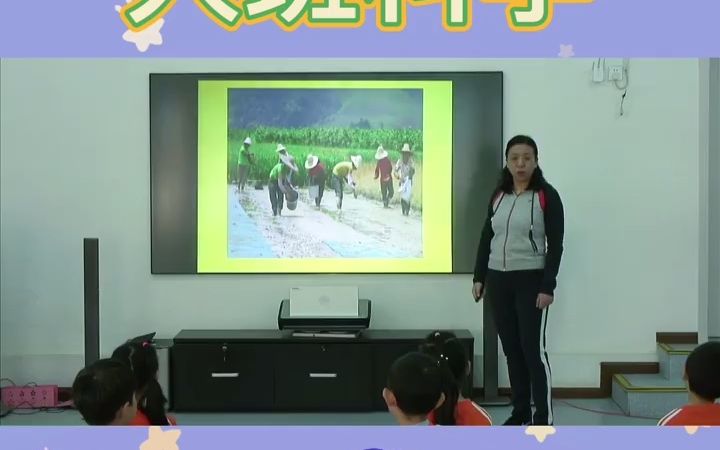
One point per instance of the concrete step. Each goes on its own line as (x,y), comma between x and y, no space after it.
(648,395)
(672,359)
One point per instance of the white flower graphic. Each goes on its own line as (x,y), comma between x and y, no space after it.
(540,432)
(161,440)
(693,429)
(566,51)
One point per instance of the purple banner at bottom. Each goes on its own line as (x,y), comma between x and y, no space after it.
(358,438)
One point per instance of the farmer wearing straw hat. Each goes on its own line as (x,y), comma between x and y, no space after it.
(342,175)
(245,159)
(383,170)
(281,150)
(404,171)
(280,185)
(283,155)
(316,177)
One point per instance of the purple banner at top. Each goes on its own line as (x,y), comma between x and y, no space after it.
(358,438)
(360,28)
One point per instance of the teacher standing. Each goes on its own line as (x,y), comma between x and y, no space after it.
(517,264)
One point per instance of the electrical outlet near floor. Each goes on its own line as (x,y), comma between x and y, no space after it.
(30,397)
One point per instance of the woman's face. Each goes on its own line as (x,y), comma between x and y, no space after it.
(521,162)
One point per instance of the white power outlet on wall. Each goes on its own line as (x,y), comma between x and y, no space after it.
(615,73)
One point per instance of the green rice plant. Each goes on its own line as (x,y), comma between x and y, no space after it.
(348,138)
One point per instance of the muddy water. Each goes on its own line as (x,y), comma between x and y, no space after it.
(363,229)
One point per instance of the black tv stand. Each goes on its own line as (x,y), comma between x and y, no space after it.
(270,370)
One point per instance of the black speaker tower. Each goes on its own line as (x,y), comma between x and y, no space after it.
(92,300)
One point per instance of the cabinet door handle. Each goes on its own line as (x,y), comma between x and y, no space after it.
(225,375)
(323,375)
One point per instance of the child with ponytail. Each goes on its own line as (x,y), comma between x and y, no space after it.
(141,357)
(449,351)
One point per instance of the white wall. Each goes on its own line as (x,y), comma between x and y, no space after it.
(75,163)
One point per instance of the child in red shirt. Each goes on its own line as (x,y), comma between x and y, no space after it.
(383,170)
(141,357)
(446,347)
(702,374)
(144,421)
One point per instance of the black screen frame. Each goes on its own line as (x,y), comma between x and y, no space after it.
(173,101)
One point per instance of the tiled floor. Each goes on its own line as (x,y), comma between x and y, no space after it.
(567,412)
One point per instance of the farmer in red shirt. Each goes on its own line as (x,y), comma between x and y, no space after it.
(316,177)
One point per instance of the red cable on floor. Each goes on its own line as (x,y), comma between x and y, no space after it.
(606,413)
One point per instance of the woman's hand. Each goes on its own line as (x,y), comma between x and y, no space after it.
(544,300)
(477,291)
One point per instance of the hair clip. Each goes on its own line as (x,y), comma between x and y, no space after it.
(145,344)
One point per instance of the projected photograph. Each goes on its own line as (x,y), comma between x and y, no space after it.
(325,173)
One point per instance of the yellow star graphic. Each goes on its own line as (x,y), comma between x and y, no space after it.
(540,432)
(161,440)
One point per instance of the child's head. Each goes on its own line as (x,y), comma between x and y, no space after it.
(702,371)
(446,346)
(142,359)
(414,387)
(104,393)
